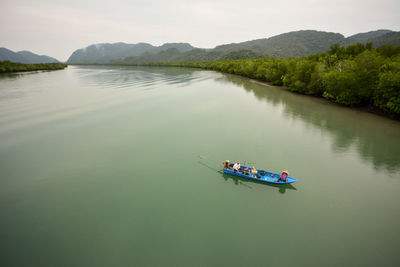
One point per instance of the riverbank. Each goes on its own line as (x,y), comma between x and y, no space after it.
(9,67)
(356,76)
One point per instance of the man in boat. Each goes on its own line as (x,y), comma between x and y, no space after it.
(227,164)
(236,166)
(283,176)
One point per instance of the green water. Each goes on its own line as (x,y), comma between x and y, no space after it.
(116,166)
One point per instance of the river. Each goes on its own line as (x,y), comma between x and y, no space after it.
(118,166)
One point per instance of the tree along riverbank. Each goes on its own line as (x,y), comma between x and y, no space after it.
(8,66)
(356,76)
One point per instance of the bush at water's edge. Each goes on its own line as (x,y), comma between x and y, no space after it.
(8,66)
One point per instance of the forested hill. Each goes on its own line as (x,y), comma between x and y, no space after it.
(304,43)
(103,53)
(291,44)
(392,38)
(25,57)
(364,37)
(287,45)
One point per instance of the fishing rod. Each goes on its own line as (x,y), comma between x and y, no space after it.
(206,158)
(211,168)
(222,162)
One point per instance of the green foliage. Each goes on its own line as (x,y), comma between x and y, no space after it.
(341,83)
(241,54)
(275,70)
(388,50)
(8,66)
(298,76)
(387,95)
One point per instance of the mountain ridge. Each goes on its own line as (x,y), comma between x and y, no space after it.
(105,52)
(291,44)
(25,57)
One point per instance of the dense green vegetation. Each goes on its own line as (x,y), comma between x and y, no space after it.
(356,75)
(8,66)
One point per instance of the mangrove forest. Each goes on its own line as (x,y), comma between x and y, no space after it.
(8,66)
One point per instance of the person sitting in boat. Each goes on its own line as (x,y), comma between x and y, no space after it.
(227,164)
(254,172)
(236,166)
(284,176)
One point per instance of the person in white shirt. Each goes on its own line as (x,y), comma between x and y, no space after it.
(236,166)
(254,172)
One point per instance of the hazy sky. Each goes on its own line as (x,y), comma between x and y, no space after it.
(58,27)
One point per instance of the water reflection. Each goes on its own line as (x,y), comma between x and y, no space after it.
(14,75)
(130,76)
(11,75)
(247,183)
(376,138)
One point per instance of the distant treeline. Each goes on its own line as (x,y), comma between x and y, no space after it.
(8,66)
(357,75)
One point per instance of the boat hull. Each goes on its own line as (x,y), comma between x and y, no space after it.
(268,177)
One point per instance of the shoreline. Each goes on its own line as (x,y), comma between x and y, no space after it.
(369,109)
(12,67)
(366,109)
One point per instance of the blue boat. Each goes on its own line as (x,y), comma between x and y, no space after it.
(261,175)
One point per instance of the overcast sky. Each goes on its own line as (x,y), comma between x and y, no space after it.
(59,27)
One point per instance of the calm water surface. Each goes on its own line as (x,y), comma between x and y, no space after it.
(117,166)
